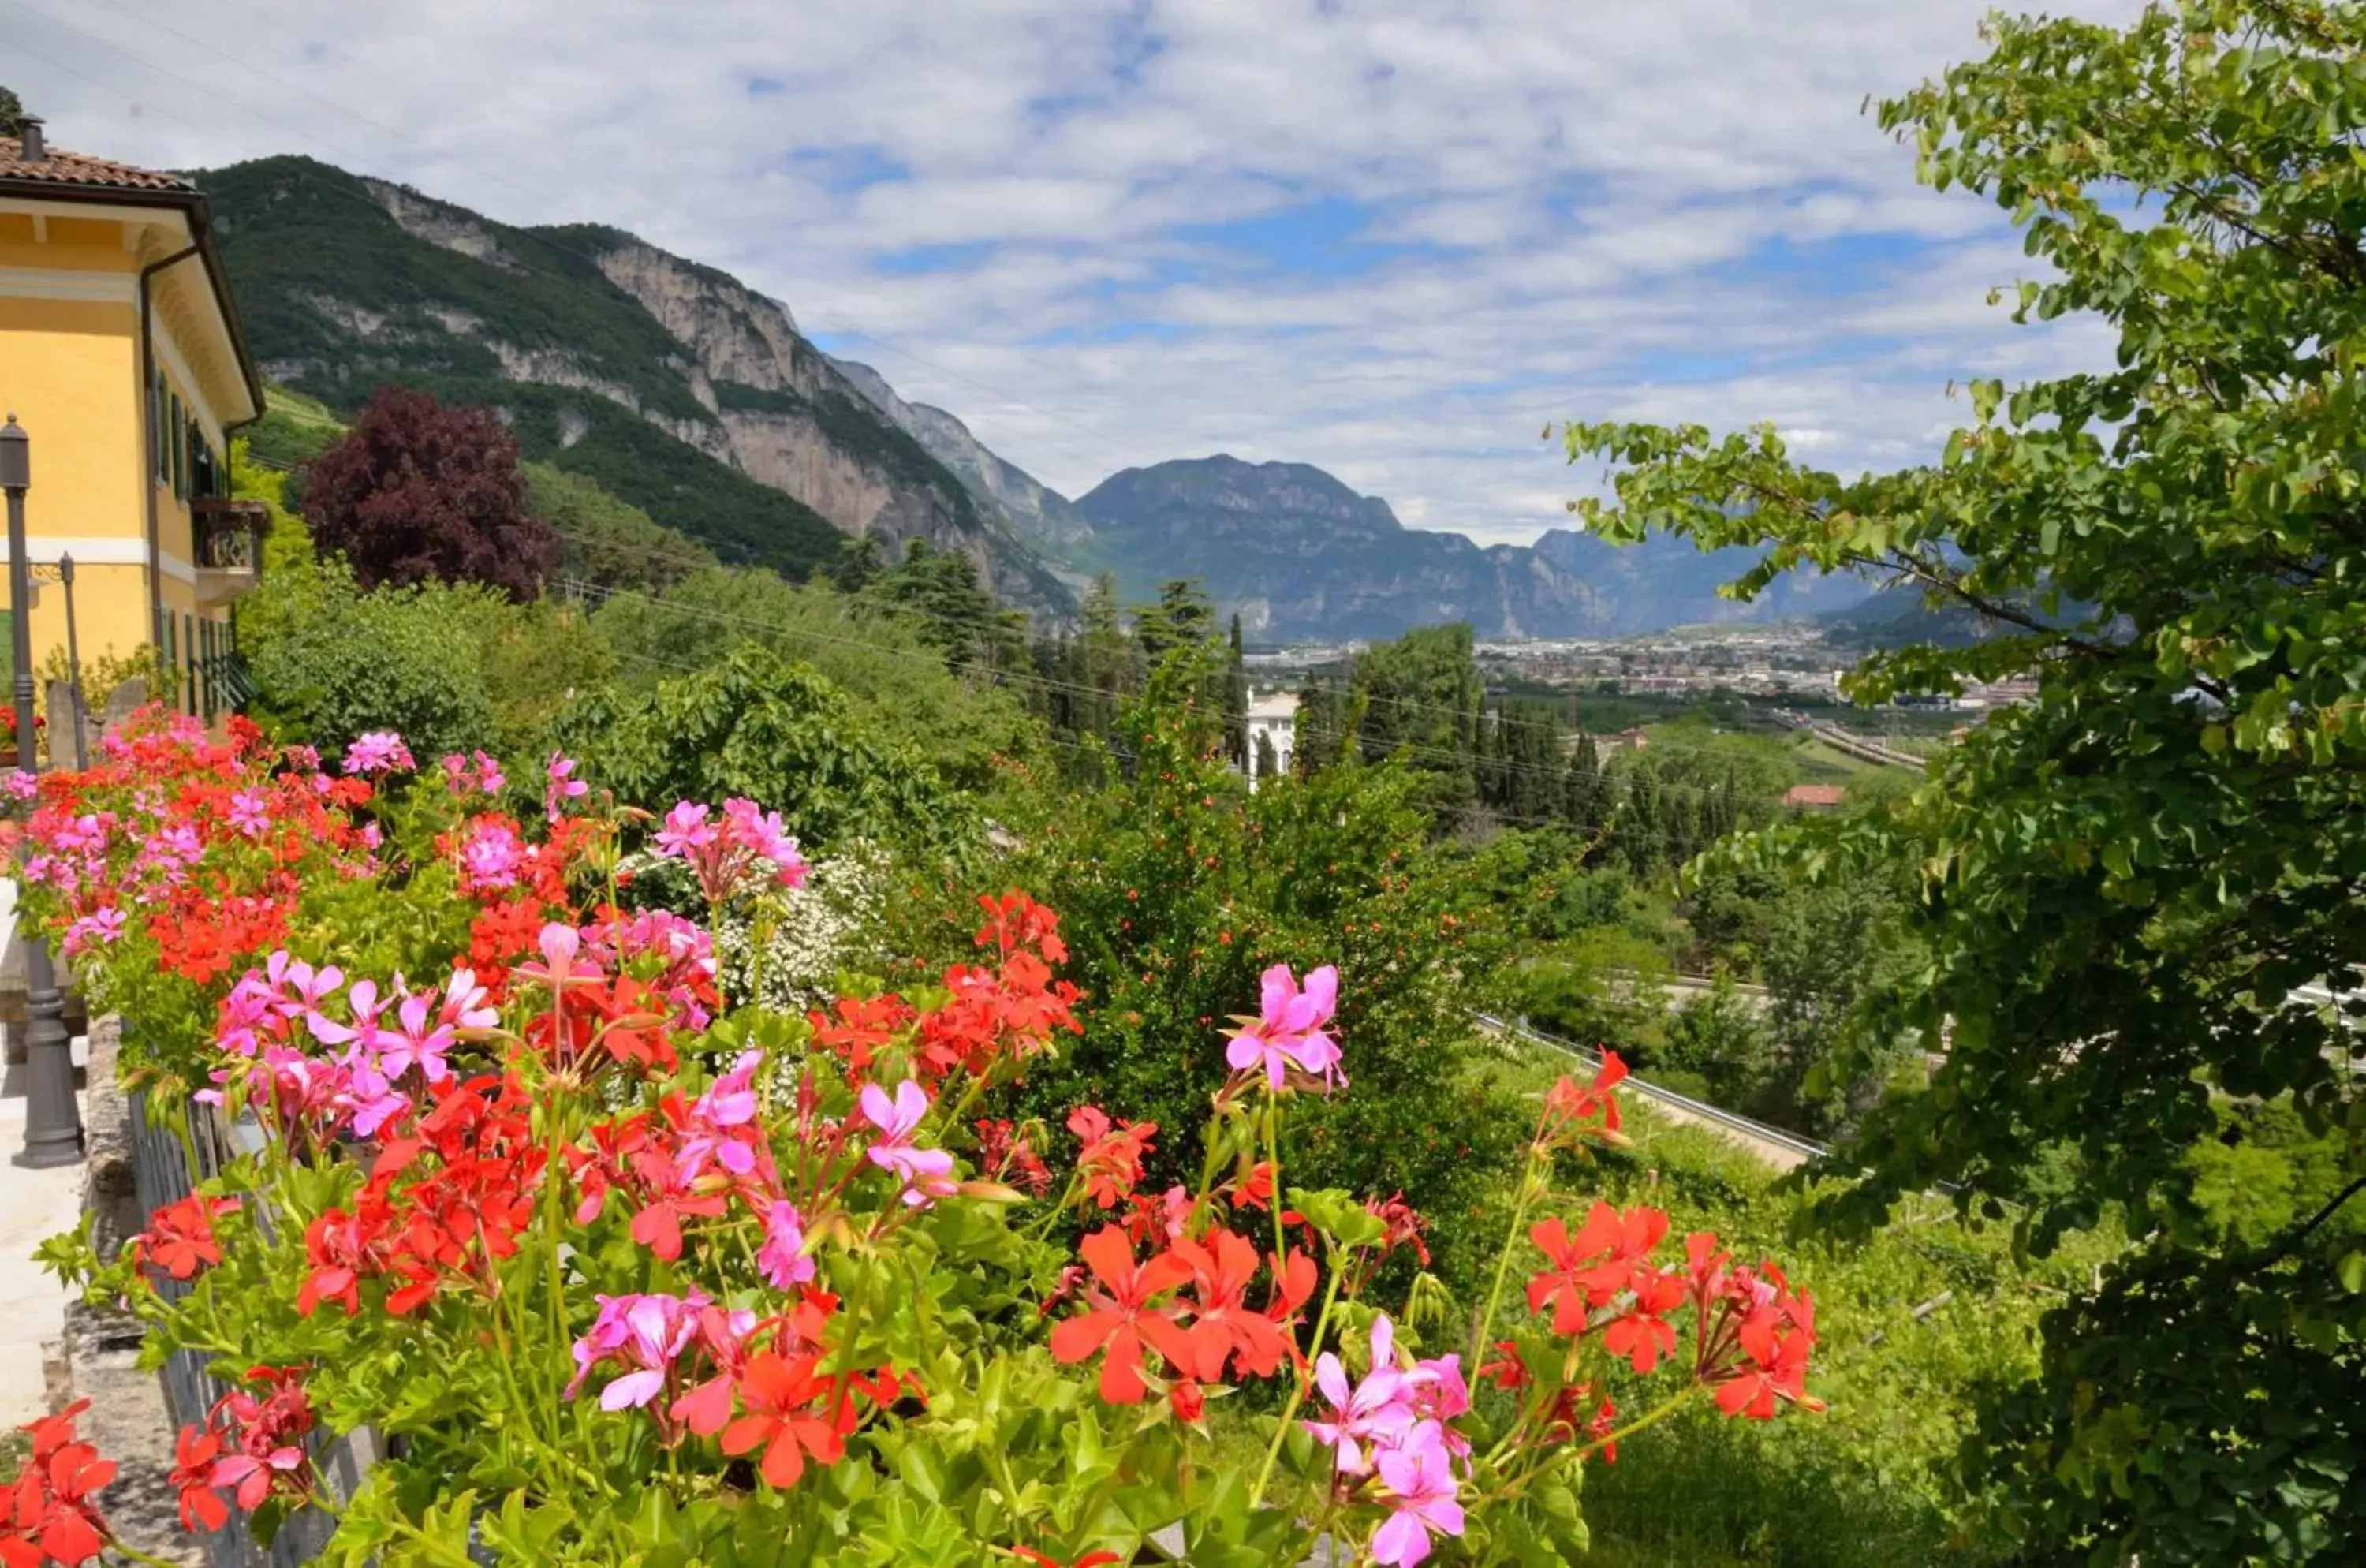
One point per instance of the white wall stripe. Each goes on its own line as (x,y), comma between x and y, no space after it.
(61,283)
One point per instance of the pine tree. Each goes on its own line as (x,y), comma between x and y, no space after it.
(1236,701)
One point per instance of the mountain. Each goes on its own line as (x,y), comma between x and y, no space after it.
(1297,554)
(1664,581)
(680,392)
(670,383)
(1035,512)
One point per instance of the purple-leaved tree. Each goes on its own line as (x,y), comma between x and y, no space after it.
(418,491)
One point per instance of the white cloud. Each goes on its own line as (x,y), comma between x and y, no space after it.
(1568,210)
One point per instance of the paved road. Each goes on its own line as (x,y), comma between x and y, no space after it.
(1777,1148)
(34,1206)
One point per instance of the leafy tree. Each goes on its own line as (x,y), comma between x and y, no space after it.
(537,659)
(2128,878)
(1183,617)
(951,608)
(888,662)
(332,661)
(753,724)
(857,566)
(419,491)
(12,114)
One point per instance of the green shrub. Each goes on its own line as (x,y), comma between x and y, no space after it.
(1178,886)
(754,725)
(883,659)
(332,661)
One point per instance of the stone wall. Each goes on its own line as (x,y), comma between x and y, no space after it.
(98,1358)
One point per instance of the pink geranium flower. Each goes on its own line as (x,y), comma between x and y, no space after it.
(253,1474)
(560,784)
(363,1002)
(1291,1033)
(562,965)
(379,751)
(1419,1475)
(782,1259)
(491,856)
(420,1038)
(463,1006)
(1377,1408)
(748,841)
(687,831)
(646,1333)
(250,814)
(100,927)
(760,832)
(924,1172)
(722,1125)
(475,773)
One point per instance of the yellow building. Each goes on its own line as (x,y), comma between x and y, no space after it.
(121,356)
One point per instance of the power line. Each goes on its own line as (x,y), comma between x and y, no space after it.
(657,552)
(1403,704)
(1610,787)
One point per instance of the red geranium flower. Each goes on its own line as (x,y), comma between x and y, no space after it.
(48,1516)
(784,1418)
(1224,1326)
(180,1236)
(1118,1312)
(1594,1266)
(201,1508)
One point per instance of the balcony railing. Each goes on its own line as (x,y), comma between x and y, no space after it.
(228,534)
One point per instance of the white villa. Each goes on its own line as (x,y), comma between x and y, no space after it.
(1273,723)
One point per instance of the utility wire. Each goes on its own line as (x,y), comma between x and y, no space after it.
(581,589)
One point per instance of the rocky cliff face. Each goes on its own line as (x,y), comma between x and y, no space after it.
(349,282)
(1038,514)
(1295,553)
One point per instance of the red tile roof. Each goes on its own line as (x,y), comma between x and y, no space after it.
(1815,794)
(72,169)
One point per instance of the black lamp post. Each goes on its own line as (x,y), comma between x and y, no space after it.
(52,1115)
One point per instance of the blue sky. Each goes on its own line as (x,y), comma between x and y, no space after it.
(1393,240)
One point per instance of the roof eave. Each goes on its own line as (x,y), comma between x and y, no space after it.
(191,204)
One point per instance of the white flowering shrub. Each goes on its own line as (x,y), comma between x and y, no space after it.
(780,948)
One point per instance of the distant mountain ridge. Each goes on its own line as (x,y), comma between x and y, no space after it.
(1295,553)
(1298,553)
(1036,509)
(685,393)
